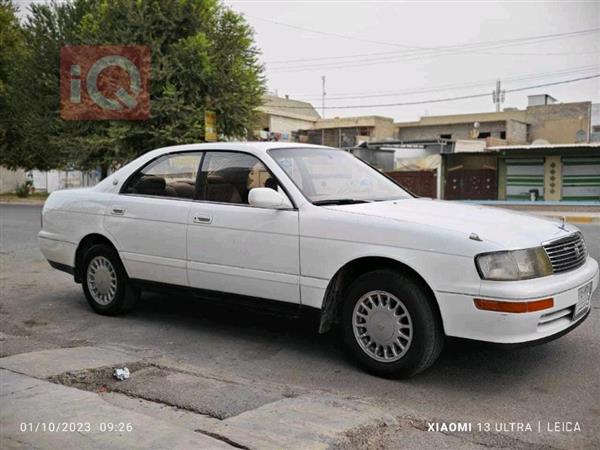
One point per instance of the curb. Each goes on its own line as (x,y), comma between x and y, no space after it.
(23,203)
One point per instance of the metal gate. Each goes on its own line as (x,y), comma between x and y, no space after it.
(471,184)
(422,183)
(524,175)
(581,178)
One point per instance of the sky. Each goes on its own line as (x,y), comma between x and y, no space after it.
(397,52)
(334,29)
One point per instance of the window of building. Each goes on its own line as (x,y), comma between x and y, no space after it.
(445,136)
(503,135)
(227,177)
(169,176)
(483,135)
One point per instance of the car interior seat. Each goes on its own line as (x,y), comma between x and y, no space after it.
(219,190)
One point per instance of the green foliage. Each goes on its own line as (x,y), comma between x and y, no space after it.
(24,189)
(11,50)
(203,56)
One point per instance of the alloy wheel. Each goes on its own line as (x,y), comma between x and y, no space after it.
(382,326)
(102,280)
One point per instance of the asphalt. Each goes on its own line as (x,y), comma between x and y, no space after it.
(283,358)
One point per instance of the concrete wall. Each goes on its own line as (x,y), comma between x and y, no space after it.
(458,131)
(11,179)
(501,179)
(516,132)
(559,123)
(384,129)
(552,178)
(285,125)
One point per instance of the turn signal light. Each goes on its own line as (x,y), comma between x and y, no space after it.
(513,307)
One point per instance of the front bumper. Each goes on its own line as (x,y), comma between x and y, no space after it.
(462,319)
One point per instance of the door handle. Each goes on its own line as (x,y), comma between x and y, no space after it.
(202,219)
(117,211)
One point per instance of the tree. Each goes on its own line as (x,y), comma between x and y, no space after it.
(11,50)
(203,56)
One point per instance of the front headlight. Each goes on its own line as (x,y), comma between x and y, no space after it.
(514,265)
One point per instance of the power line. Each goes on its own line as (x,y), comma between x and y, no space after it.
(349,61)
(441,100)
(362,95)
(366,62)
(449,86)
(328,33)
(354,56)
(413,50)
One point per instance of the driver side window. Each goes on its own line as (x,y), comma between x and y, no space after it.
(227,177)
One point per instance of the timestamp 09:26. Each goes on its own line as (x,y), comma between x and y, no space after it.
(75,427)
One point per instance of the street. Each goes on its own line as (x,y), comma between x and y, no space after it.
(187,347)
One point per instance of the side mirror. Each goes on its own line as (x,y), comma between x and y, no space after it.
(268,198)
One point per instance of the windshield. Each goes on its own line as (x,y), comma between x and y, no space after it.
(329,176)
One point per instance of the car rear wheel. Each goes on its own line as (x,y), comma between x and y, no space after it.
(105,282)
(390,326)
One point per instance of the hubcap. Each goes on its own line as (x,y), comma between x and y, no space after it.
(382,326)
(102,280)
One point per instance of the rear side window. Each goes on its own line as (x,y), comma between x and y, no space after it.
(169,176)
(227,177)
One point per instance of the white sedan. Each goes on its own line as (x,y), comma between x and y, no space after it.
(315,227)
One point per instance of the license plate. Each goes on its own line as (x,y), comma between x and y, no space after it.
(584,295)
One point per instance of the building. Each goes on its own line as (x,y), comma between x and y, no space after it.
(348,131)
(553,172)
(285,119)
(595,136)
(542,152)
(545,152)
(543,119)
(280,117)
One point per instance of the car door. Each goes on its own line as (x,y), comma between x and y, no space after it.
(234,247)
(149,218)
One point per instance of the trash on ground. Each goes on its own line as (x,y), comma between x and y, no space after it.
(121,374)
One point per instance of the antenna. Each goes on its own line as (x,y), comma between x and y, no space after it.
(498,96)
(323,97)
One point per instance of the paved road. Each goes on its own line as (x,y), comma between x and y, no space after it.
(555,382)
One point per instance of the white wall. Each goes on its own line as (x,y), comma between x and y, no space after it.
(286,125)
(60,179)
(11,179)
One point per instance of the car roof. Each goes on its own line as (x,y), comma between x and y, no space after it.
(250,147)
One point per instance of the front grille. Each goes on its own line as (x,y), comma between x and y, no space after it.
(566,253)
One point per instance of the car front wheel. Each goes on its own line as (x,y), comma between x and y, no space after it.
(390,326)
(105,282)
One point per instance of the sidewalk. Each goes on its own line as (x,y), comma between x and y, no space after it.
(66,398)
(47,415)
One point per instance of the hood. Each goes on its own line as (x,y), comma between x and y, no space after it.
(508,229)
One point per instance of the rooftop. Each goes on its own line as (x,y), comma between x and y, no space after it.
(545,146)
(514,114)
(508,113)
(286,107)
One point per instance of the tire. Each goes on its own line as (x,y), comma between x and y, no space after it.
(401,333)
(105,283)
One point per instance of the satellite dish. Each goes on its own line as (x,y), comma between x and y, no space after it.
(540,142)
(580,136)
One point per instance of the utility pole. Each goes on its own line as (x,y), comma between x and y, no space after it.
(498,96)
(323,97)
